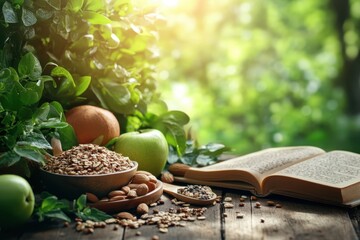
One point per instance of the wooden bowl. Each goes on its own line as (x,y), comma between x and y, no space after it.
(72,186)
(126,204)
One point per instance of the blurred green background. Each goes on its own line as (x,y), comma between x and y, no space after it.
(263,73)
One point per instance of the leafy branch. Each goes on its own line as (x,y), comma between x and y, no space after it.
(52,208)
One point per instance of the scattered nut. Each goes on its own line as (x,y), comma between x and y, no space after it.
(228,205)
(140,178)
(142,189)
(92,198)
(167,177)
(116,193)
(126,189)
(142,208)
(117,198)
(125,215)
(132,194)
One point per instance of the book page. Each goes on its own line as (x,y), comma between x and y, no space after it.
(269,160)
(337,168)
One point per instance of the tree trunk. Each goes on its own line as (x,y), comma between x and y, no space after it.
(349,77)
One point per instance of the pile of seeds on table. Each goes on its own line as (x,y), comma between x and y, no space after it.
(88,159)
(162,219)
(197,191)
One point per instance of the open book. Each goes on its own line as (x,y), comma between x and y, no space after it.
(303,172)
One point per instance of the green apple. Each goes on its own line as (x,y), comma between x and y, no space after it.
(148,147)
(16,200)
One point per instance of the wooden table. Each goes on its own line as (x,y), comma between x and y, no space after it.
(295,220)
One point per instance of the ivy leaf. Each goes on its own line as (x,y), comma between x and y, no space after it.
(8,158)
(95,18)
(29,66)
(28,17)
(56,4)
(67,85)
(36,140)
(9,13)
(74,5)
(29,152)
(82,85)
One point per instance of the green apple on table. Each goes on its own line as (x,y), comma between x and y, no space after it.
(148,148)
(16,200)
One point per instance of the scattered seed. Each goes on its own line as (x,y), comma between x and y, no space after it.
(201,218)
(228,199)
(239,215)
(242,199)
(262,220)
(228,205)
(257,204)
(241,204)
(138,233)
(278,205)
(155,237)
(197,191)
(253,198)
(66,224)
(225,215)
(163,230)
(270,203)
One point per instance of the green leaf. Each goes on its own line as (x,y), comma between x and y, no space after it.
(175,135)
(95,18)
(83,43)
(9,13)
(67,137)
(95,5)
(56,4)
(17,2)
(74,5)
(56,214)
(33,92)
(28,17)
(67,84)
(80,203)
(52,208)
(29,66)
(175,116)
(157,107)
(44,14)
(8,159)
(82,85)
(29,152)
(53,123)
(36,140)
(94,214)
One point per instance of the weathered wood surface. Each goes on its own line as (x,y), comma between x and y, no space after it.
(295,220)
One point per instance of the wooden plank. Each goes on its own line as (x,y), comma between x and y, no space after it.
(58,231)
(209,228)
(295,220)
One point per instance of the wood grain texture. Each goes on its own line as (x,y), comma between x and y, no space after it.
(199,229)
(295,220)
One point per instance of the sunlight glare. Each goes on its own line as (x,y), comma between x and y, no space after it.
(170,3)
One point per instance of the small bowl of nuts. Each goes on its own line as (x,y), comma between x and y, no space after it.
(87,168)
